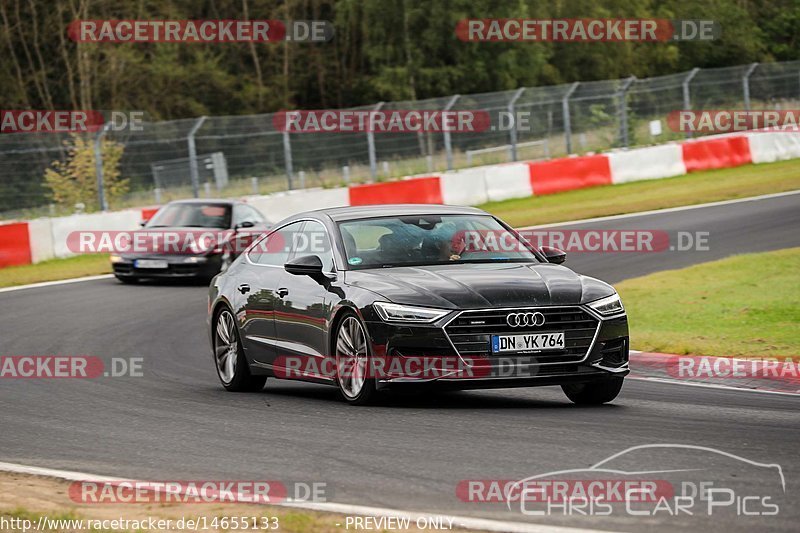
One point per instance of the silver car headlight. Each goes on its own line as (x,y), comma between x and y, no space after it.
(610,305)
(406,313)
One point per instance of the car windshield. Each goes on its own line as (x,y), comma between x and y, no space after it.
(192,215)
(430,240)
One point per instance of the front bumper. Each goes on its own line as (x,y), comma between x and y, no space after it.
(178,266)
(398,345)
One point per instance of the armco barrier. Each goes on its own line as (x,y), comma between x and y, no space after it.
(42,239)
(653,162)
(109,221)
(14,247)
(723,152)
(465,187)
(569,173)
(768,147)
(40,236)
(278,206)
(148,212)
(425,190)
(508,181)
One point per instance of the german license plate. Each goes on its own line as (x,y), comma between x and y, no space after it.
(150,263)
(533,342)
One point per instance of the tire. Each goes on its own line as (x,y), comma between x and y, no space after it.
(352,357)
(127,280)
(593,393)
(229,360)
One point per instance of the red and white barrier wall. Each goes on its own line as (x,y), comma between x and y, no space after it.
(45,238)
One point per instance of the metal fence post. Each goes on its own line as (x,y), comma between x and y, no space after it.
(567,120)
(98,165)
(512,133)
(193,156)
(373,162)
(622,103)
(746,85)
(448,147)
(687,100)
(287,159)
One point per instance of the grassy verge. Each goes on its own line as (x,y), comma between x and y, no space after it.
(55,269)
(695,188)
(700,187)
(27,498)
(747,305)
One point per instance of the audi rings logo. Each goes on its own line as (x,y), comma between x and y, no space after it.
(518,320)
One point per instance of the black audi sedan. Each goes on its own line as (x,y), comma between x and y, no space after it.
(189,239)
(380,297)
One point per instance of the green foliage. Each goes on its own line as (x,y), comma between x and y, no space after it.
(74,180)
(382,50)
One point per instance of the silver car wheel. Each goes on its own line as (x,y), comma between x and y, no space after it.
(351,357)
(226,347)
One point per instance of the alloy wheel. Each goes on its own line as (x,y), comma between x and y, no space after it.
(226,347)
(351,357)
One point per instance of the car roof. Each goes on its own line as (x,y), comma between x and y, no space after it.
(385,210)
(225,201)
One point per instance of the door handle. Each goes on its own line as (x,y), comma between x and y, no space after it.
(282,292)
(243,288)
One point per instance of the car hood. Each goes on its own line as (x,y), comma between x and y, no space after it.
(465,286)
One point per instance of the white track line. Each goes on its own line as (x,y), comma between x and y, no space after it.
(463,522)
(57,282)
(667,210)
(710,385)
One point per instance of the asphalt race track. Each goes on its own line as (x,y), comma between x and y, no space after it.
(409,452)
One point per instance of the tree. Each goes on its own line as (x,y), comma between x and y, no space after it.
(74,180)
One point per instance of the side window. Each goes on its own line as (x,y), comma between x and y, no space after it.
(313,239)
(245,213)
(276,247)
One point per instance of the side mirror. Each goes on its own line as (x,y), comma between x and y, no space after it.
(554,255)
(308,265)
(245,224)
(143,223)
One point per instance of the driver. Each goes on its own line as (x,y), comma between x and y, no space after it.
(449,242)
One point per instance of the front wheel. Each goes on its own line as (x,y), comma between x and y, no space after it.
(352,362)
(232,367)
(593,393)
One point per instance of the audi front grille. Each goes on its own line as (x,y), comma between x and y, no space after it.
(470,332)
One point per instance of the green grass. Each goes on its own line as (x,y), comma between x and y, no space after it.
(55,269)
(695,188)
(746,305)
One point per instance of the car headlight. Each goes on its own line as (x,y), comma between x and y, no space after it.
(406,313)
(610,305)
(115,258)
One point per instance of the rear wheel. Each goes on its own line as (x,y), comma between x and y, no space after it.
(352,362)
(232,367)
(593,393)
